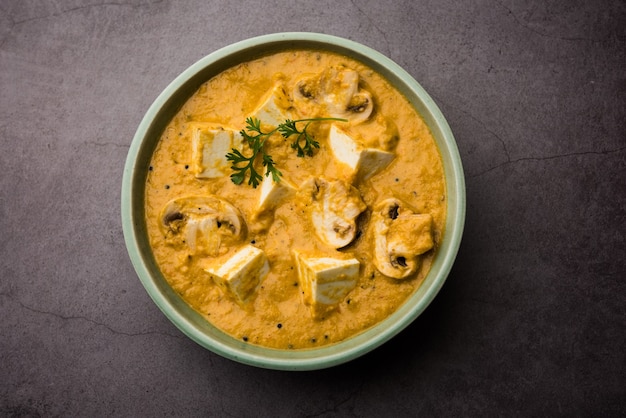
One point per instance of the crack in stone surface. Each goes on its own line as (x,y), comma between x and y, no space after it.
(549,157)
(524,25)
(85,319)
(484,125)
(9,29)
(13,23)
(373,23)
(334,409)
(107,144)
(86,6)
(510,160)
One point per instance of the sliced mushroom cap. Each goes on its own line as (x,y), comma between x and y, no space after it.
(308,87)
(206,222)
(337,91)
(335,206)
(401,236)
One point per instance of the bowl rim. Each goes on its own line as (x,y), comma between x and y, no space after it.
(229,347)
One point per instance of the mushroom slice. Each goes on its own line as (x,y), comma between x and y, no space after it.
(207,223)
(337,91)
(401,236)
(335,205)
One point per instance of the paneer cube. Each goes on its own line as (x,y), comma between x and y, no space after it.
(271,196)
(273,193)
(241,274)
(209,146)
(325,281)
(364,162)
(273,108)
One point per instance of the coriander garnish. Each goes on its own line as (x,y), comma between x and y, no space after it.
(256,143)
(289,128)
(256,140)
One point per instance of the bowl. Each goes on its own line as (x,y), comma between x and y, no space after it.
(188,320)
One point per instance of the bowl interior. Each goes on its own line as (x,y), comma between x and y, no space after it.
(193,324)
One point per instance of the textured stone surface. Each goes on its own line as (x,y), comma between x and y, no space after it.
(532,320)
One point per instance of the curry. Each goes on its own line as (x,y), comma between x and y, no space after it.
(295,200)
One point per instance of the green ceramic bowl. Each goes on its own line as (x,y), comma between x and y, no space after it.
(194,325)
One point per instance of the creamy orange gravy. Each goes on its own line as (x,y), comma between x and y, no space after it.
(277,315)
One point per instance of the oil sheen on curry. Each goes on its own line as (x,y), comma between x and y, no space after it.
(340,232)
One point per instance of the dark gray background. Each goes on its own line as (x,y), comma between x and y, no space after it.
(532,319)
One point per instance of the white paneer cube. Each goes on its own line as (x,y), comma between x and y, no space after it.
(273,108)
(271,196)
(364,162)
(326,281)
(241,274)
(273,193)
(209,146)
